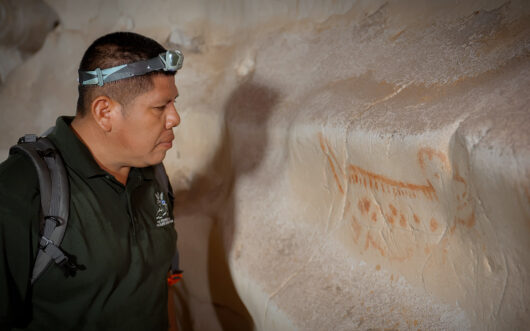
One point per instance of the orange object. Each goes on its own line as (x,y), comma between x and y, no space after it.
(173,279)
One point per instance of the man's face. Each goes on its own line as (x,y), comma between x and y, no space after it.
(143,129)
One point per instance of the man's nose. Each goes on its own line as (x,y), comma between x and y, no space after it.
(172,118)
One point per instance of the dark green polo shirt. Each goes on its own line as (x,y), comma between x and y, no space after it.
(112,231)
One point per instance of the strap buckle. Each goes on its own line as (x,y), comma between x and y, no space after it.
(54,219)
(44,242)
(28,138)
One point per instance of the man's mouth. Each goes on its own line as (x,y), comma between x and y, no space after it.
(167,141)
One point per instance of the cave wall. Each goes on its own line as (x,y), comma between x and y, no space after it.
(339,165)
(24,25)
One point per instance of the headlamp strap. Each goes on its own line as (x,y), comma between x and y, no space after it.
(87,77)
(99,77)
(138,68)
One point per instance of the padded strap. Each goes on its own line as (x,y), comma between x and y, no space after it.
(55,199)
(163,179)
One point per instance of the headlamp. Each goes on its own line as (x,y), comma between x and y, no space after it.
(172,59)
(167,61)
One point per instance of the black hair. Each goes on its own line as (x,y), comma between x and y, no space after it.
(112,50)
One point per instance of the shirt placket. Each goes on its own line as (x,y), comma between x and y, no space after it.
(125,196)
(133,182)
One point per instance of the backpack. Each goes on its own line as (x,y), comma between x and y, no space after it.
(55,204)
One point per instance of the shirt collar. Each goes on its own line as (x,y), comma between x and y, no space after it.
(148,173)
(77,155)
(73,151)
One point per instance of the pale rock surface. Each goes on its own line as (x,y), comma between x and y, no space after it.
(340,165)
(24,25)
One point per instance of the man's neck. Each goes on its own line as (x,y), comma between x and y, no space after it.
(94,138)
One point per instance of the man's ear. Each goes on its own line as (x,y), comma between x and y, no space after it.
(103,110)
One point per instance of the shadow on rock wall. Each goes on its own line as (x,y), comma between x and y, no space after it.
(241,150)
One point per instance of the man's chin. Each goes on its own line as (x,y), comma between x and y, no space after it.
(152,160)
(160,156)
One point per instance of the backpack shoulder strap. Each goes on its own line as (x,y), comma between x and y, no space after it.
(55,200)
(163,180)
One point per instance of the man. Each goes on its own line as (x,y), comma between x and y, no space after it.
(120,230)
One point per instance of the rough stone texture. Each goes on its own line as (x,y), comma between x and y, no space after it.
(23,28)
(340,165)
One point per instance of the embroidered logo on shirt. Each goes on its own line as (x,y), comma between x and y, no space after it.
(162,210)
